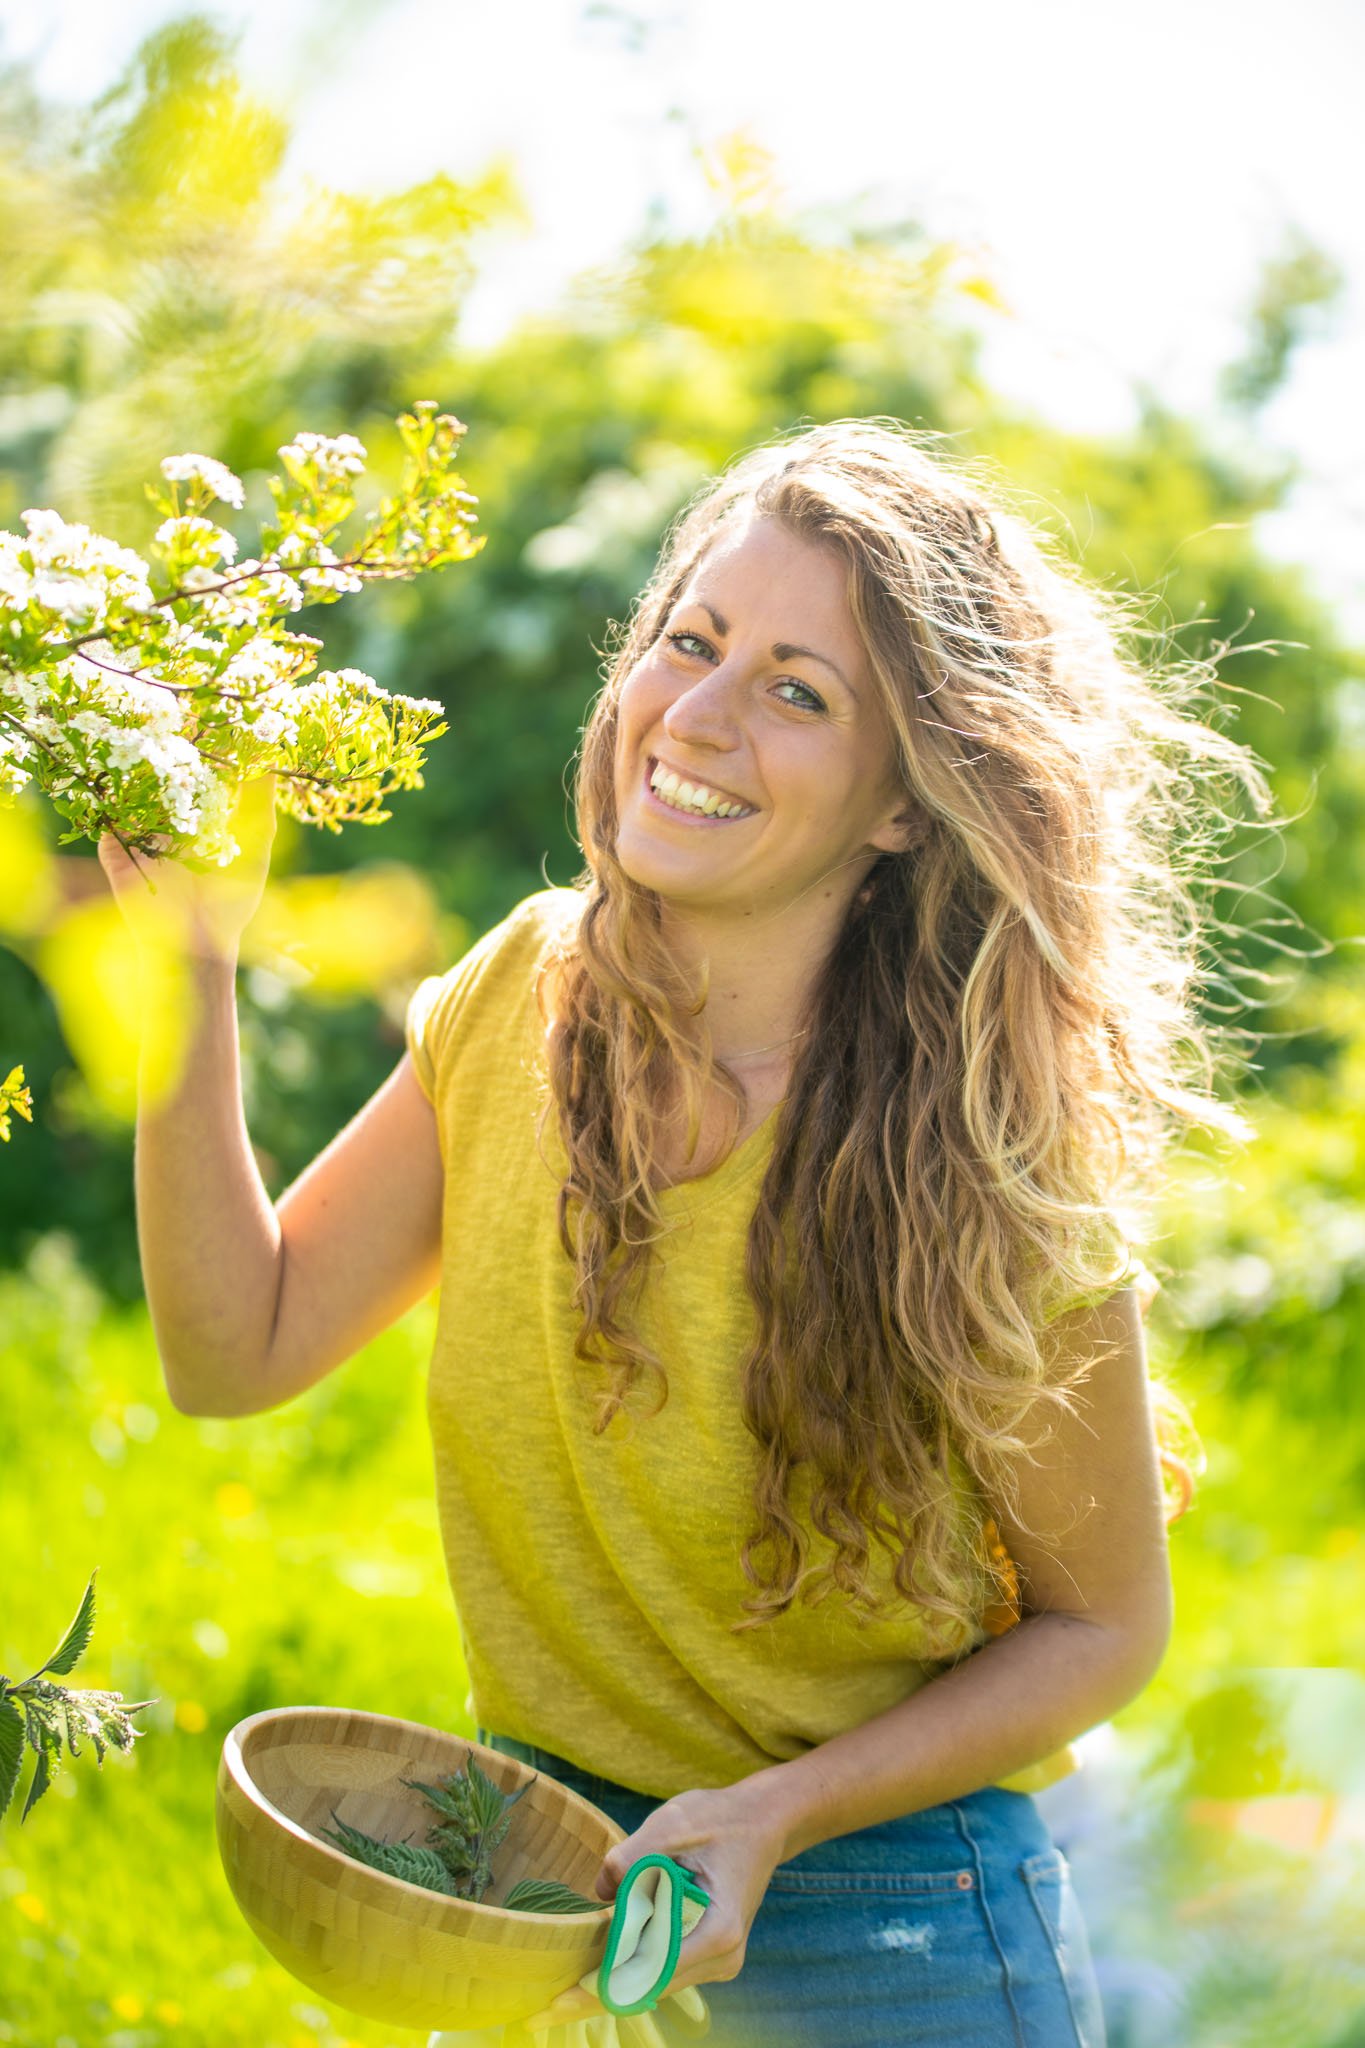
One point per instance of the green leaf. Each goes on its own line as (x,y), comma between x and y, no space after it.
(547,1895)
(490,1801)
(74,1643)
(444,1799)
(11,1751)
(42,1778)
(394,1859)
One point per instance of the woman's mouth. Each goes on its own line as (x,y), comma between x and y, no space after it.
(666,790)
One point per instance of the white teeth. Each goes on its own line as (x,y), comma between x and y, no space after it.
(694,797)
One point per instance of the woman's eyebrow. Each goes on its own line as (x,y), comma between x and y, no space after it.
(783,650)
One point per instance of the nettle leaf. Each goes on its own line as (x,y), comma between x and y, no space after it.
(394,1859)
(488,1800)
(11,1751)
(445,1800)
(77,1638)
(49,1746)
(547,1895)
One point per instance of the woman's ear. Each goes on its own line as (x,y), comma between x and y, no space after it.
(901,830)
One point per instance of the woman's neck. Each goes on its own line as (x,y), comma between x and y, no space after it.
(761,974)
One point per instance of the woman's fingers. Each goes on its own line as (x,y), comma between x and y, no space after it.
(640,2030)
(570,2006)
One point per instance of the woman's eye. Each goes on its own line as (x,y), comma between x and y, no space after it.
(812,701)
(809,699)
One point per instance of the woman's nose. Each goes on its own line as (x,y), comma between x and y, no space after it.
(705,714)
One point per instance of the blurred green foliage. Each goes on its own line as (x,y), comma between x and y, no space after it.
(165,293)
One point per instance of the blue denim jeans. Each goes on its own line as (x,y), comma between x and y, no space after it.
(952,1928)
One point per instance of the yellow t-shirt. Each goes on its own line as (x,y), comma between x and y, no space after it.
(595,1578)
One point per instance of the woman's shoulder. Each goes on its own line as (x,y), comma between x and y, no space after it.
(548,914)
(493,981)
(524,933)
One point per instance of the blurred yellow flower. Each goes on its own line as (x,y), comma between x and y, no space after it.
(31,892)
(127,2006)
(234,1500)
(190,1716)
(116,1005)
(348,934)
(32,1908)
(166,2009)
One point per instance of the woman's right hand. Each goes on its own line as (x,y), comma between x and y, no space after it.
(208,907)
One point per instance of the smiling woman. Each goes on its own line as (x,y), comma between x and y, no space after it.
(825,1110)
(856,1050)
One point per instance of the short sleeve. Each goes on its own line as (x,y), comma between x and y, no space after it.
(496,977)
(415,1032)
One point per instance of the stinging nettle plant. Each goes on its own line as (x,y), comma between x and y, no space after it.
(457,1859)
(41,1715)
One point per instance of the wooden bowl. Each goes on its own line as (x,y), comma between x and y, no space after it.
(375,1944)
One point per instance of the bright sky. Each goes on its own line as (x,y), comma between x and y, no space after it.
(1120,172)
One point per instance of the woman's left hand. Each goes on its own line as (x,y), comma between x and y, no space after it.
(732,1841)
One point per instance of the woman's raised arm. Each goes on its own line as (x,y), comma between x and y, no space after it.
(251,1302)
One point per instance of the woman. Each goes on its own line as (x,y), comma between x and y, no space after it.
(822,1115)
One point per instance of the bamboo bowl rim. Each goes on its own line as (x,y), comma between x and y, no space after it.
(238,1739)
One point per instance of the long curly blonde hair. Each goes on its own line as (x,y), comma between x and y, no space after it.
(1002,1040)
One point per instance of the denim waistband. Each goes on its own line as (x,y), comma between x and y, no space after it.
(952,1927)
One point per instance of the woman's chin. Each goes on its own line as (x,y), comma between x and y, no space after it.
(674,881)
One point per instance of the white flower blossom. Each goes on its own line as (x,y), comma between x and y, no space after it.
(129,695)
(72,596)
(15,748)
(184,638)
(93,724)
(303,541)
(271,725)
(261,664)
(275,587)
(189,531)
(227,608)
(344,580)
(26,693)
(16,582)
(58,557)
(53,544)
(356,679)
(334,455)
(214,840)
(319,695)
(188,785)
(179,469)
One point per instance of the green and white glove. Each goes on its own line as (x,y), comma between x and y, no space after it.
(657,1905)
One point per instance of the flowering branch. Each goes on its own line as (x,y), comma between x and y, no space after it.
(145,720)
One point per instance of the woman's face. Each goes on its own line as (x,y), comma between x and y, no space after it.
(756,696)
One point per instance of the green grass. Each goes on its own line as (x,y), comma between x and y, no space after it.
(290,1557)
(295,1557)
